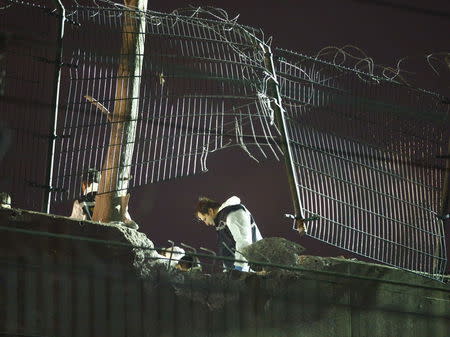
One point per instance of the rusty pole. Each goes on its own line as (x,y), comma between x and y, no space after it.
(112,200)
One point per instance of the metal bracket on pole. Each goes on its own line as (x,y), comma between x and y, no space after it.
(54,109)
(54,13)
(48,61)
(46,188)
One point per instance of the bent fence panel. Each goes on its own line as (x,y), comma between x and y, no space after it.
(202,89)
(366,158)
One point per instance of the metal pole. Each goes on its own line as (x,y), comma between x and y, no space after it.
(445,206)
(273,91)
(54,108)
(440,249)
(111,201)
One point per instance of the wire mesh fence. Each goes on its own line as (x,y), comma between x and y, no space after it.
(366,157)
(27,68)
(364,148)
(201,90)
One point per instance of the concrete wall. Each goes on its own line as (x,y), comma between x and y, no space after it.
(61,286)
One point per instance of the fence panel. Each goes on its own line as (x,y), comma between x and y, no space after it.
(202,89)
(366,158)
(27,70)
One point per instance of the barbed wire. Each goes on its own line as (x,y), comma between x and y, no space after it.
(353,57)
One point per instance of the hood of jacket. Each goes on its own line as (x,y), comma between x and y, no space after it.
(230,202)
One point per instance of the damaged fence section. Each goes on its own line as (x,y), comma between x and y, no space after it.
(366,156)
(201,83)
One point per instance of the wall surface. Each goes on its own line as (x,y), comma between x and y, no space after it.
(61,277)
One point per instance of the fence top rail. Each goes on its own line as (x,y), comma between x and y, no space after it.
(356,71)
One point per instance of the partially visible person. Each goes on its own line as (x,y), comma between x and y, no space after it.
(5,200)
(83,208)
(188,262)
(235,226)
(172,255)
(178,258)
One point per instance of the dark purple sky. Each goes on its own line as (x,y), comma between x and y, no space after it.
(165,210)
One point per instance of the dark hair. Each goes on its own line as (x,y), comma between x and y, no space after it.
(204,204)
(188,261)
(91,176)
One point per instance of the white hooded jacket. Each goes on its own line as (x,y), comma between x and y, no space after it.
(240,225)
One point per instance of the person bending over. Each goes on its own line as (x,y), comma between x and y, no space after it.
(235,226)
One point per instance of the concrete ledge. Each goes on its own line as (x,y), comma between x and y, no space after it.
(100,284)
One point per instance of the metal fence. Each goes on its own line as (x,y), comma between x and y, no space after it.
(26,100)
(366,156)
(200,90)
(363,147)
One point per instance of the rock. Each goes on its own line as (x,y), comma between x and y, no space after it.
(274,251)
